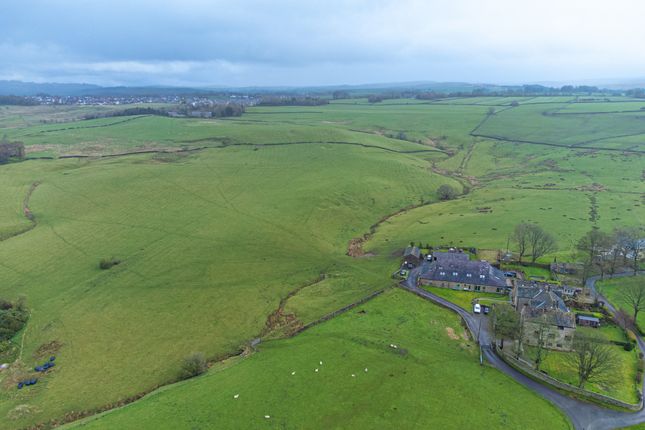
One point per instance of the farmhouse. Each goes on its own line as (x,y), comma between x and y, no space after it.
(544,315)
(454,270)
(556,328)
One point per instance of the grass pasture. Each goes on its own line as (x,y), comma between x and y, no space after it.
(419,385)
(212,241)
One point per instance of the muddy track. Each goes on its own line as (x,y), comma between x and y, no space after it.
(278,319)
(26,211)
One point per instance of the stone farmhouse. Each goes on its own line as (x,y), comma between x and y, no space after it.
(456,271)
(544,314)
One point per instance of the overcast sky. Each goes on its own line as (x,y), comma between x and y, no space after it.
(300,42)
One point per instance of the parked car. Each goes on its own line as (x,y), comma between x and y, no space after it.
(486,309)
(477,308)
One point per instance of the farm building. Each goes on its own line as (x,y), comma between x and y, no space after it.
(587,321)
(412,255)
(454,270)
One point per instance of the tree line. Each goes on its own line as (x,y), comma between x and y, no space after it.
(9,150)
(218,110)
(17,101)
(292,101)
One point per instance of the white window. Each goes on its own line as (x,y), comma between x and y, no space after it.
(454,273)
(482,276)
(442,273)
(469,275)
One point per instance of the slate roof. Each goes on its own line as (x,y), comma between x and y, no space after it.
(553,317)
(445,257)
(464,271)
(586,318)
(541,299)
(413,251)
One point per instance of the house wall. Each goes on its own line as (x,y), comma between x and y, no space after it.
(556,338)
(465,287)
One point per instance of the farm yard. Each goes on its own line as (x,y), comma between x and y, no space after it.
(227,222)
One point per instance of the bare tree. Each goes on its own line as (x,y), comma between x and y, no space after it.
(633,295)
(521,238)
(505,322)
(540,242)
(634,246)
(591,247)
(618,249)
(623,319)
(592,359)
(542,332)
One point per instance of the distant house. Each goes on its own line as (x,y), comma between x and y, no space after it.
(587,321)
(412,255)
(454,270)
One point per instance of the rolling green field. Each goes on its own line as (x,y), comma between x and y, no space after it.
(212,240)
(408,387)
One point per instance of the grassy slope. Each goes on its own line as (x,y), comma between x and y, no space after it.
(610,288)
(424,389)
(527,122)
(210,244)
(303,202)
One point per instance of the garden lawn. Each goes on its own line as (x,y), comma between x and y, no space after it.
(464,299)
(623,386)
(432,380)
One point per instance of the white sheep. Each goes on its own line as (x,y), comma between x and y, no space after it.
(236,396)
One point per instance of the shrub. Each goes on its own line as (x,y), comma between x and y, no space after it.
(108,263)
(446,192)
(12,319)
(628,346)
(193,365)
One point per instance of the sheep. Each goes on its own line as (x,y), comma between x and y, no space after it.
(316,370)
(236,396)
(293,373)
(267,416)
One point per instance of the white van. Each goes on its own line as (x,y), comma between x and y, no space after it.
(477,308)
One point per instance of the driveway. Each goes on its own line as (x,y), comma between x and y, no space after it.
(583,415)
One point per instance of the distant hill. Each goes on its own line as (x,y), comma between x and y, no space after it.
(18,88)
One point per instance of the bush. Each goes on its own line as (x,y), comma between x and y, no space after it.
(193,365)
(629,346)
(108,263)
(12,318)
(446,192)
